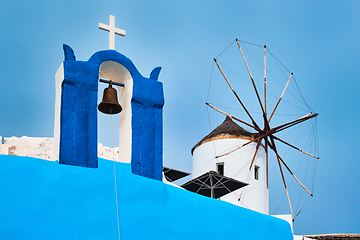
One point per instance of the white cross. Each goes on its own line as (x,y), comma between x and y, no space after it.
(112,31)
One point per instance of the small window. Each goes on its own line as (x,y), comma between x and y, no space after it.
(256,172)
(220,168)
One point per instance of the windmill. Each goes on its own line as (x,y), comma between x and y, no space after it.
(267,135)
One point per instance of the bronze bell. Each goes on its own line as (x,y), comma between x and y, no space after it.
(110,104)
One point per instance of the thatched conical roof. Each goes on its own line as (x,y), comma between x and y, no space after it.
(228,129)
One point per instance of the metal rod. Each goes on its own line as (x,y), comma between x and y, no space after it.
(114,83)
(211,187)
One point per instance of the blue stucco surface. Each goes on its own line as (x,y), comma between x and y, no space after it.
(78,114)
(78,117)
(47,200)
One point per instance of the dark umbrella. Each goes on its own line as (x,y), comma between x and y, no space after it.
(173,174)
(212,184)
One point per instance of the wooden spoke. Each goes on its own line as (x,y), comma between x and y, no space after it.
(237,148)
(230,116)
(284,125)
(283,178)
(302,185)
(252,80)
(277,104)
(232,89)
(287,192)
(265,79)
(295,122)
(266,123)
(278,156)
(295,147)
(256,150)
(252,161)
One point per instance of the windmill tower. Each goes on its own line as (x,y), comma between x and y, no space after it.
(222,139)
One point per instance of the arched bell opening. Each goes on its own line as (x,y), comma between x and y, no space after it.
(121,122)
(104,128)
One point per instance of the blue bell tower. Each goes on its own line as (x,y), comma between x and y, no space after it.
(141,127)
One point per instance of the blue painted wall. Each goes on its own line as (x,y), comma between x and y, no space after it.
(47,200)
(78,117)
(78,114)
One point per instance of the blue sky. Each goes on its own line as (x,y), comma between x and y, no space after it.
(317,40)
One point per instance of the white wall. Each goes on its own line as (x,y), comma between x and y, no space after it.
(59,77)
(236,165)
